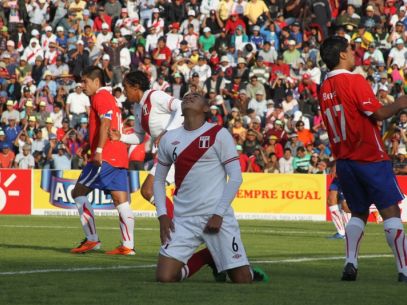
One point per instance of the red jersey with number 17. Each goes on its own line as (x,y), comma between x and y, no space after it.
(347,103)
(103,105)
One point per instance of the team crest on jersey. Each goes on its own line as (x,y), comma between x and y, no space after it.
(175,142)
(204,141)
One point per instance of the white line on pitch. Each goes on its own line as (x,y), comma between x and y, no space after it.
(156,229)
(283,261)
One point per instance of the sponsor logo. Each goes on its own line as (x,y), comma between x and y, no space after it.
(175,142)
(237,256)
(15,191)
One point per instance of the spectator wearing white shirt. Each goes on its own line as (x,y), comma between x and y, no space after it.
(174,38)
(397,54)
(38,144)
(77,105)
(39,14)
(57,115)
(259,104)
(24,160)
(104,36)
(203,70)
(286,162)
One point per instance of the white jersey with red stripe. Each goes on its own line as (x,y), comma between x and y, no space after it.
(158,111)
(195,154)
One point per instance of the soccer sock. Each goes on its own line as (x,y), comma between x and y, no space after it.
(170,207)
(337,219)
(396,239)
(354,233)
(345,217)
(196,262)
(126,218)
(87,217)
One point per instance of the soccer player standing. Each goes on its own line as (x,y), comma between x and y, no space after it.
(204,154)
(350,112)
(107,169)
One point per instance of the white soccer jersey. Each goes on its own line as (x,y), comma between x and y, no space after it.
(156,112)
(195,154)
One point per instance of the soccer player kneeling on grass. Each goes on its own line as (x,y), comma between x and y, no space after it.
(204,155)
(350,111)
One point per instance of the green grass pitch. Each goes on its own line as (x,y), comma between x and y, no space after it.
(37,268)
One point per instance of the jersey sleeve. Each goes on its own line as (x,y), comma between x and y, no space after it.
(176,120)
(104,105)
(164,158)
(225,147)
(365,98)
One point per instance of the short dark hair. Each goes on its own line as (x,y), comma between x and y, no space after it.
(137,78)
(331,49)
(94,72)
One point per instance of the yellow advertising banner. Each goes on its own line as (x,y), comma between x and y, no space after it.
(276,196)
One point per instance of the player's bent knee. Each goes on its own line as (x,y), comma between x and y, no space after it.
(240,275)
(166,278)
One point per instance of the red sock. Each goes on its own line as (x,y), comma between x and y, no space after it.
(170,208)
(198,260)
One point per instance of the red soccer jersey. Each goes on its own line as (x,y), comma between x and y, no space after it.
(347,103)
(103,105)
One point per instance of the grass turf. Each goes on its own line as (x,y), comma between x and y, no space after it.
(42,243)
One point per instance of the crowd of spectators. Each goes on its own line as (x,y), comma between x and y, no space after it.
(256,61)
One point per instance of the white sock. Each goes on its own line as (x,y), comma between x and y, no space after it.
(126,224)
(337,219)
(87,217)
(345,217)
(354,233)
(184,272)
(396,239)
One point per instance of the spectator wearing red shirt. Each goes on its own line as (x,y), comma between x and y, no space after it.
(6,156)
(359,52)
(214,116)
(279,68)
(307,85)
(272,146)
(100,19)
(243,158)
(63,130)
(304,135)
(162,53)
(233,22)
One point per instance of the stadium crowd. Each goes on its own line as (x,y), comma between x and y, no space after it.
(256,61)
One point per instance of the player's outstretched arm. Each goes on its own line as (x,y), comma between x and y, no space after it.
(389,110)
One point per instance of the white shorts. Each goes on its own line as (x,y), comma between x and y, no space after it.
(171,174)
(226,246)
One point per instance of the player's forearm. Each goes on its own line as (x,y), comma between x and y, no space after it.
(159,189)
(132,139)
(389,110)
(232,186)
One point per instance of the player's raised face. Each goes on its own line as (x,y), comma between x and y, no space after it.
(195,103)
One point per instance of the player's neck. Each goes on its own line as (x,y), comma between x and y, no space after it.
(193,122)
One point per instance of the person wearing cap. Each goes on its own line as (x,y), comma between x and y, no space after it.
(214,116)
(156,21)
(190,20)
(374,54)
(202,71)
(6,155)
(397,54)
(233,22)
(260,70)
(292,55)
(256,9)
(49,128)
(78,59)
(24,160)
(102,18)
(62,159)
(207,40)
(160,84)
(10,112)
(173,38)
(384,97)
(366,37)
(259,104)
(77,105)
(371,18)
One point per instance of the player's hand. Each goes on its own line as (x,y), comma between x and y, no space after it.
(214,224)
(158,139)
(166,227)
(114,134)
(97,159)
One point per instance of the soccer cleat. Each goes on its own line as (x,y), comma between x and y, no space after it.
(402,278)
(121,250)
(349,273)
(337,236)
(219,277)
(259,275)
(86,246)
